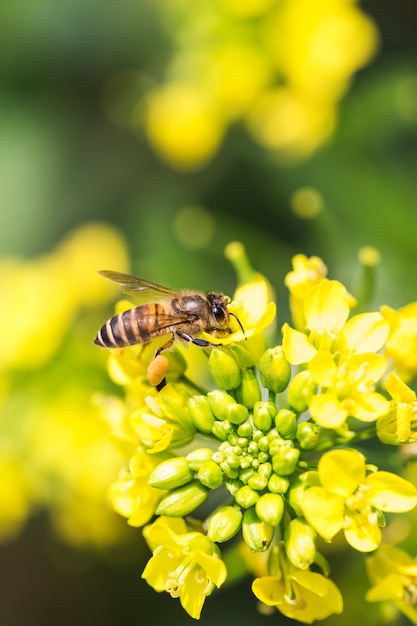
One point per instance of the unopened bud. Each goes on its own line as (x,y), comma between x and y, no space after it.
(286,423)
(224,369)
(285,462)
(270,508)
(201,413)
(278,484)
(170,474)
(274,369)
(248,392)
(300,391)
(242,356)
(210,475)
(183,500)
(258,481)
(256,533)
(221,430)
(224,523)
(263,415)
(219,401)
(237,413)
(308,435)
(197,457)
(246,496)
(300,543)
(296,493)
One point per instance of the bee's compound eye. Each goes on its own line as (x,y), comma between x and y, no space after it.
(219,315)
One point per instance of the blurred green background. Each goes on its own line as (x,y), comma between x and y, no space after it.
(144,136)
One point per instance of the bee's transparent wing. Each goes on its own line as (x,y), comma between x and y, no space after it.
(134,286)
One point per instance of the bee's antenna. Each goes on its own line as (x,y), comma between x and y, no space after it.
(239,322)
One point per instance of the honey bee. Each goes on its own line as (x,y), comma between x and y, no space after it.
(185,314)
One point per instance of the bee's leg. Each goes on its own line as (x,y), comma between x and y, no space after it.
(197,342)
(164,346)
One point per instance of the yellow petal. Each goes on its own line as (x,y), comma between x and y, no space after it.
(341,471)
(327,410)
(366,332)
(363,537)
(327,307)
(324,511)
(296,346)
(391,492)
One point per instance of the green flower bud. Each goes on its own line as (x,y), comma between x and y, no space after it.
(233,485)
(308,435)
(286,423)
(210,475)
(300,543)
(285,462)
(201,413)
(224,523)
(233,460)
(278,484)
(171,473)
(270,508)
(237,413)
(219,401)
(274,369)
(258,482)
(246,496)
(224,369)
(242,356)
(256,533)
(300,391)
(296,494)
(245,429)
(221,430)
(246,474)
(263,415)
(275,445)
(230,472)
(249,392)
(265,469)
(183,500)
(197,457)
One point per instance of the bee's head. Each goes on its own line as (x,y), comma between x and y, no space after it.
(220,314)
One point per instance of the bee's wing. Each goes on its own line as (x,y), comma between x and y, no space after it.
(135,286)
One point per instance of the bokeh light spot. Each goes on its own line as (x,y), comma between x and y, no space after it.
(306,203)
(194,226)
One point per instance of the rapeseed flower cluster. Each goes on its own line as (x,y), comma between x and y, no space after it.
(270,462)
(278,67)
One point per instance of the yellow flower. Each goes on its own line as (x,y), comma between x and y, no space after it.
(130,495)
(394,576)
(346,388)
(326,310)
(343,496)
(298,594)
(401,345)
(306,273)
(185,564)
(183,125)
(396,426)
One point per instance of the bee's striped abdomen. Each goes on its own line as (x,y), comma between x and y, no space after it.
(128,328)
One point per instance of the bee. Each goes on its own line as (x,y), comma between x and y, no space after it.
(184,314)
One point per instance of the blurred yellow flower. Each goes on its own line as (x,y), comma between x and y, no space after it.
(280,68)
(183,125)
(47,293)
(401,346)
